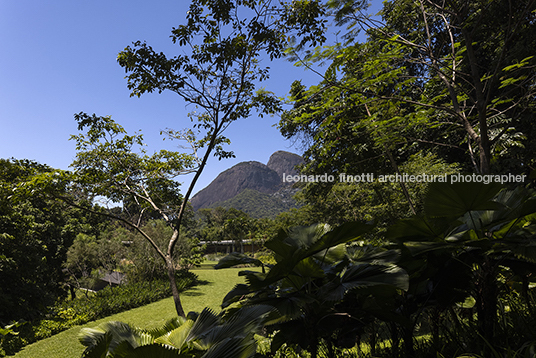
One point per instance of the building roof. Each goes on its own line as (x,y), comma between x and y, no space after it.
(114,278)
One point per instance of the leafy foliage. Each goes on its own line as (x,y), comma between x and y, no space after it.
(260,205)
(379,200)
(35,233)
(141,262)
(446,76)
(108,301)
(205,334)
(310,283)
(456,256)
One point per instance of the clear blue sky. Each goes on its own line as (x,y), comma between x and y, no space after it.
(58,58)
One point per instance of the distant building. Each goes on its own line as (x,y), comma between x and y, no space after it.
(228,246)
(114,278)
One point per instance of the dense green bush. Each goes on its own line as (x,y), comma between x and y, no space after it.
(457,281)
(108,301)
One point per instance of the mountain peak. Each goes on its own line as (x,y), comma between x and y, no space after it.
(251,175)
(284,163)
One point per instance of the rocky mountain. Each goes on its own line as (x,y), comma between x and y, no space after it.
(252,186)
(284,163)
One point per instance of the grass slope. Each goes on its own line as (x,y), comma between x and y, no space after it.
(66,345)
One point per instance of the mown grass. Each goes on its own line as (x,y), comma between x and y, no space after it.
(216,284)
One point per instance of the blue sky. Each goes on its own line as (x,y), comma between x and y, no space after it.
(58,58)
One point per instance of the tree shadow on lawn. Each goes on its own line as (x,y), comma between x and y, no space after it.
(192,290)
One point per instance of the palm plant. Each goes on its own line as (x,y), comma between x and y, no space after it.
(470,233)
(205,335)
(320,293)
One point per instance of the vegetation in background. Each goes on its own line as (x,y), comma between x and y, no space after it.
(35,234)
(260,205)
(452,76)
(110,300)
(373,200)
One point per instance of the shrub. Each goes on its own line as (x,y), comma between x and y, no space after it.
(106,302)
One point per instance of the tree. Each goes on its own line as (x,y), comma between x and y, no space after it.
(146,263)
(35,233)
(463,66)
(217,74)
(237,229)
(220,224)
(114,165)
(82,259)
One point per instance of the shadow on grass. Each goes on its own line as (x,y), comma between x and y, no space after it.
(192,290)
(204,282)
(205,267)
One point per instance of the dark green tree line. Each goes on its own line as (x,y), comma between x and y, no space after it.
(35,234)
(464,67)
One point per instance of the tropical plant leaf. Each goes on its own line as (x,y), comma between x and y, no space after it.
(525,249)
(232,347)
(90,336)
(243,322)
(340,235)
(97,343)
(290,333)
(235,259)
(204,322)
(169,326)
(303,237)
(332,254)
(280,246)
(156,351)
(417,228)
(254,279)
(308,268)
(239,291)
(177,337)
(289,306)
(120,339)
(454,200)
(418,248)
(302,242)
(135,337)
(365,275)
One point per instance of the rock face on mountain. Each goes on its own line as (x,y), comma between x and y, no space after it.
(253,176)
(284,163)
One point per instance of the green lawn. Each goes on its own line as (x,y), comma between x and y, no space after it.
(218,283)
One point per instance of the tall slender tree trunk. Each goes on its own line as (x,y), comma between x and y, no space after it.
(408,341)
(395,339)
(481,104)
(373,338)
(402,184)
(484,145)
(486,301)
(174,289)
